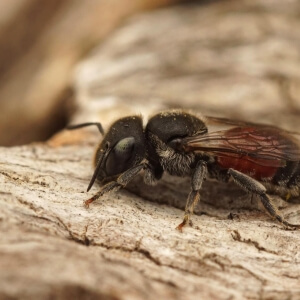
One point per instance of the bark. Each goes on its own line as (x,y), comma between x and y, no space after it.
(236,59)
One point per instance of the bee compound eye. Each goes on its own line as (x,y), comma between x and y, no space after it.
(119,158)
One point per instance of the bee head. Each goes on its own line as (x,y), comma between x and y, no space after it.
(122,147)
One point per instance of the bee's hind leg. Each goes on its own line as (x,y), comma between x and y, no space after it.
(252,186)
(194,196)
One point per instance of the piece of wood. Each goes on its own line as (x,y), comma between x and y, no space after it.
(125,245)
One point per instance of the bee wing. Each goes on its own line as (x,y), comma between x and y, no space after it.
(264,145)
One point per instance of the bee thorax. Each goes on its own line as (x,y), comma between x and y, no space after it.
(173,162)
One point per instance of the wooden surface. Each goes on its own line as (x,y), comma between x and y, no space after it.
(236,59)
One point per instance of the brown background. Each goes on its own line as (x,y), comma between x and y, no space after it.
(238,59)
(40,44)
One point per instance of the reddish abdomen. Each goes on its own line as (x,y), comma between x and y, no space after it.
(254,168)
(258,141)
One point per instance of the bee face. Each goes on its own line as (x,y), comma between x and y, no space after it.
(120,156)
(122,147)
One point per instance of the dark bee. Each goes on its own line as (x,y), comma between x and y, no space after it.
(256,157)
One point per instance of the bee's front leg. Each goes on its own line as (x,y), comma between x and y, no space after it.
(120,182)
(194,196)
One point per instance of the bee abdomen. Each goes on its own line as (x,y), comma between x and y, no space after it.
(295,178)
(253,168)
(287,174)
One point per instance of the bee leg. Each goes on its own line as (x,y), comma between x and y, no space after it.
(152,175)
(252,186)
(194,196)
(120,182)
(192,200)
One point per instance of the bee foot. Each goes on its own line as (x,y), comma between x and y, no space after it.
(180,226)
(86,203)
(186,220)
(289,226)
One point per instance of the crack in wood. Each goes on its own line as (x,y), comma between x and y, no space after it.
(237,237)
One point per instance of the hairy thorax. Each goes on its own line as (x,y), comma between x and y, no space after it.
(173,162)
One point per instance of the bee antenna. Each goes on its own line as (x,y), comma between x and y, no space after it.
(103,155)
(76,126)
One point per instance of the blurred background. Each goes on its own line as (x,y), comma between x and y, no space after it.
(236,58)
(40,43)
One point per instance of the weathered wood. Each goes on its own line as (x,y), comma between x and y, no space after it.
(125,245)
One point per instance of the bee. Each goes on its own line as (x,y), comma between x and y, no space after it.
(258,158)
